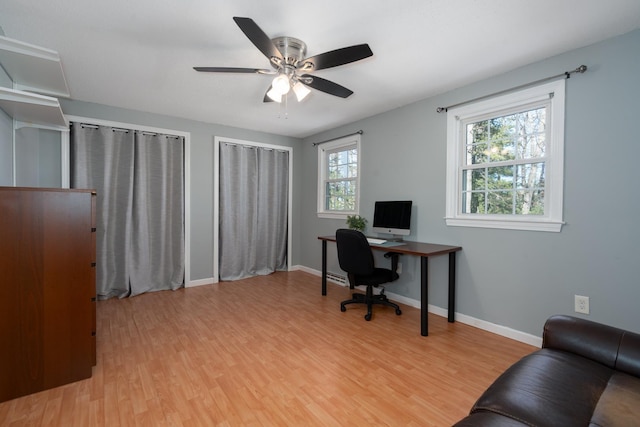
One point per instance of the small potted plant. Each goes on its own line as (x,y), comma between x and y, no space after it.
(356,222)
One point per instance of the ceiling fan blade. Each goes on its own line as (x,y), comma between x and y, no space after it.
(338,57)
(327,86)
(234,70)
(258,37)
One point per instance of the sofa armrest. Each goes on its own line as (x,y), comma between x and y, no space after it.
(629,354)
(613,347)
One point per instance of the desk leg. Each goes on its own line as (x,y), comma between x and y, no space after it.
(452,287)
(424,296)
(324,267)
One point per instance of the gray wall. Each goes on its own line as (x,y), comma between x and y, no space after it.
(6,138)
(38,158)
(5,81)
(6,149)
(202,137)
(515,278)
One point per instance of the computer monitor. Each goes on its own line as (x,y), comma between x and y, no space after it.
(392,217)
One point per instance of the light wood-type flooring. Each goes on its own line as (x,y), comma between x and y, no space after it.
(271,351)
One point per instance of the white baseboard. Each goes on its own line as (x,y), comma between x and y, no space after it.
(500,330)
(199,282)
(439,311)
(305,269)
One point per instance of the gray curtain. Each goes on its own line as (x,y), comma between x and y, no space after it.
(254,188)
(139,179)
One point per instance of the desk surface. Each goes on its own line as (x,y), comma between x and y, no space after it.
(409,247)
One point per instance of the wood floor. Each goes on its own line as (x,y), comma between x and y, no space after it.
(270,351)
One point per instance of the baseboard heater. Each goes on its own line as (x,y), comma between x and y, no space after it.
(336,278)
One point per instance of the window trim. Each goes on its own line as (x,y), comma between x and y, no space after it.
(554,93)
(323,150)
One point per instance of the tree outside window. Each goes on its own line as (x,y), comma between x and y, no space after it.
(505,164)
(341,186)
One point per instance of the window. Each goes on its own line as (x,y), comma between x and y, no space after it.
(339,177)
(505,161)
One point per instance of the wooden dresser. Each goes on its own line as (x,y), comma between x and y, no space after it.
(47,288)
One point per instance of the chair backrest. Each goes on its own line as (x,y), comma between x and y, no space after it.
(354,253)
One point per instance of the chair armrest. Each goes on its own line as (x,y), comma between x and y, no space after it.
(394,260)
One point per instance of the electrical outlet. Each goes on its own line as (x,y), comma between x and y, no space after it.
(581,304)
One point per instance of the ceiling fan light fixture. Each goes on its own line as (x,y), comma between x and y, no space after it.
(274,95)
(281,84)
(301,91)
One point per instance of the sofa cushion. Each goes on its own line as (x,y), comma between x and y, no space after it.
(547,388)
(619,403)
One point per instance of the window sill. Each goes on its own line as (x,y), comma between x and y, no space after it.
(336,215)
(507,224)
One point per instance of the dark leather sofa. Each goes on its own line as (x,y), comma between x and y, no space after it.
(586,374)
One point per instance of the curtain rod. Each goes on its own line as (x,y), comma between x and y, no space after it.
(115,129)
(567,74)
(253,147)
(333,139)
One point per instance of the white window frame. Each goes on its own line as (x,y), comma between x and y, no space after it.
(323,152)
(551,93)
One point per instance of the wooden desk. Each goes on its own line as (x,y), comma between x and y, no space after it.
(424,251)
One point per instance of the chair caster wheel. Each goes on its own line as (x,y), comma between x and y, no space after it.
(367,317)
(398,311)
(343,308)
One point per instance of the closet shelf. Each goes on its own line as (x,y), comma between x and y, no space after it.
(33,68)
(32,108)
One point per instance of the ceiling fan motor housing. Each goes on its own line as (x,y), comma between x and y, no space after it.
(293,50)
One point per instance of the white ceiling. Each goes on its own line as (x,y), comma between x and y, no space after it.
(139,54)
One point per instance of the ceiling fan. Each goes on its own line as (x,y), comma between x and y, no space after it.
(291,68)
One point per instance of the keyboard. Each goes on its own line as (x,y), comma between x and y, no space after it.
(373,241)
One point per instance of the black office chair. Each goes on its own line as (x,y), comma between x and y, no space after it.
(356,258)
